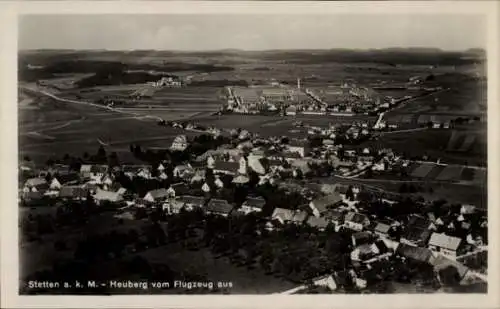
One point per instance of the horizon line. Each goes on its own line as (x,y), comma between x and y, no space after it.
(257,50)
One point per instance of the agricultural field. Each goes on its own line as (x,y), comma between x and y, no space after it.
(434,143)
(75,129)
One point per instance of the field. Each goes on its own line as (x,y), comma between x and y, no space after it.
(434,143)
(57,128)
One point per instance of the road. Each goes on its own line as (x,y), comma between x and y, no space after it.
(48,94)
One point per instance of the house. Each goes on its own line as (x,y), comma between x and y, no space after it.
(336,217)
(73,193)
(441,262)
(325,281)
(178,189)
(366,252)
(38,184)
(63,179)
(282,215)
(253,204)
(180,143)
(417,254)
(320,205)
(97,172)
(291,110)
(191,202)
(157,195)
(30,196)
(85,170)
(219,207)
(318,223)
(382,229)
(255,164)
(103,195)
(361,238)
(144,172)
(228,168)
(299,146)
(183,171)
(445,244)
(299,217)
(417,231)
(467,209)
(356,221)
(186,202)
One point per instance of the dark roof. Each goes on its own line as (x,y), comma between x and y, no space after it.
(324,202)
(66,178)
(414,253)
(99,169)
(194,200)
(255,202)
(42,187)
(291,155)
(219,206)
(73,192)
(334,215)
(226,166)
(416,229)
(362,237)
(32,195)
(355,217)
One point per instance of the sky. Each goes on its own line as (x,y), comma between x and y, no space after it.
(250,32)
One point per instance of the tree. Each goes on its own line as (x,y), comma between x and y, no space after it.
(113,160)
(101,154)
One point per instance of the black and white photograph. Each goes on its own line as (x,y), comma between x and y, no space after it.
(252,154)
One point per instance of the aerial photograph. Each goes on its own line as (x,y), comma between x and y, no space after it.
(252,154)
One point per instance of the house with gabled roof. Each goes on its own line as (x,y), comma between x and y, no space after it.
(183,171)
(321,205)
(157,195)
(253,204)
(356,221)
(445,244)
(63,179)
(97,172)
(382,229)
(318,223)
(38,184)
(327,281)
(228,168)
(418,254)
(219,207)
(417,231)
(73,193)
(299,217)
(109,196)
(299,146)
(282,215)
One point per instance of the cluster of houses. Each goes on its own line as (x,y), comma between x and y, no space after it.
(374,243)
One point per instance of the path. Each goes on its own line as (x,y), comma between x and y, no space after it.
(140,116)
(403,131)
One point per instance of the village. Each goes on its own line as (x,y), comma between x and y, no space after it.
(292,206)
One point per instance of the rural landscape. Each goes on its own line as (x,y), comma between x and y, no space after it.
(252,172)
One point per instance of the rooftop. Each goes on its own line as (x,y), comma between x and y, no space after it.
(444,241)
